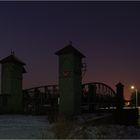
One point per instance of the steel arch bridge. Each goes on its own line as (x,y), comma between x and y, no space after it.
(95,94)
(99,95)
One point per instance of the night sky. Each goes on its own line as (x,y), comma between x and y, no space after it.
(107,33)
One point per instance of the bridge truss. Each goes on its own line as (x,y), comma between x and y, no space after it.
(94,95)
(98,95)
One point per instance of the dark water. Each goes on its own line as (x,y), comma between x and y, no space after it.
(129,122)
(128,117)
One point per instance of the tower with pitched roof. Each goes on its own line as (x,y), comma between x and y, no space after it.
(70,80)
(12,70)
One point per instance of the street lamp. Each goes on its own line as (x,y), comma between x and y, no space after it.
(133,87)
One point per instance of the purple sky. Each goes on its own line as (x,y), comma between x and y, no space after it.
(107,33)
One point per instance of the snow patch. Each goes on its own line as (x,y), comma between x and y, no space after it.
(24,127)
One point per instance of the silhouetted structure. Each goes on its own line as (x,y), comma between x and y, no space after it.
(41,100)
(98,95)
(74,95)
(94,96)
(70,80)
(91,97)
(120,96)
(11,84)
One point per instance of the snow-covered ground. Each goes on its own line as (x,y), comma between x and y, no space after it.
(23,127)
(38,127)
(105,132)
(90,130)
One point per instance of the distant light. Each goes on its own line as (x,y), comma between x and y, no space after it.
(127,103)
(132,87)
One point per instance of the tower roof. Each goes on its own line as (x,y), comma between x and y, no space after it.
(120,84)
(69,49)
(12,58)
